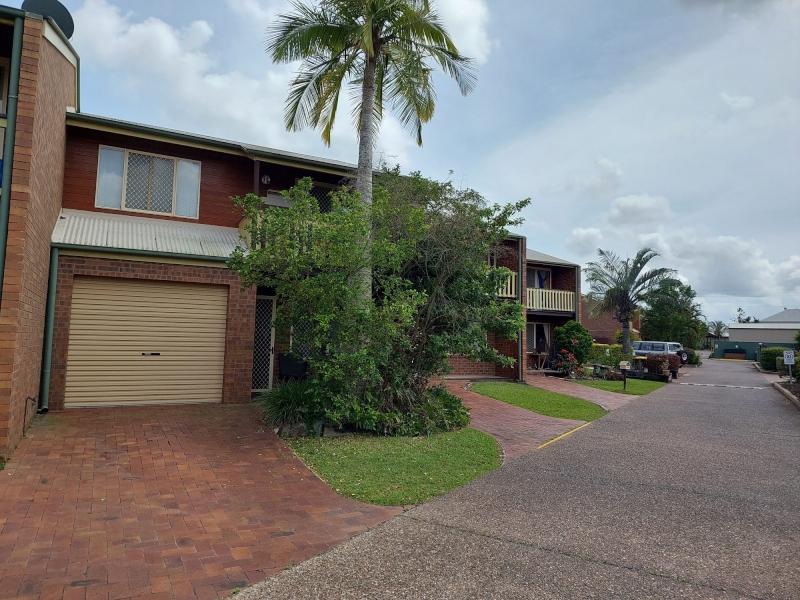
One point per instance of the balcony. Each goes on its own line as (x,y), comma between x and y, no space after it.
(509,290)
(551,300)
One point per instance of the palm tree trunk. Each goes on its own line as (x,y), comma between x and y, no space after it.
(626,337)
(366,145)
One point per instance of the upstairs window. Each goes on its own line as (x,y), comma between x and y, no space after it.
(149,183)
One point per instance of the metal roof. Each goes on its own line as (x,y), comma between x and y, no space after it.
(175,136)
(540,257)
(763,325)
(121,232)
(790,315)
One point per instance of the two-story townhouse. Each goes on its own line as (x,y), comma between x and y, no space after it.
(552,299)
(113,243)
(548,287)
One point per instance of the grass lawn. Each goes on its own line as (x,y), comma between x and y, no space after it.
(540,401)
(394,471)
(636,387)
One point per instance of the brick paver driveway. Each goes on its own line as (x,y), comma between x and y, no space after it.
(170,502)
(516,429)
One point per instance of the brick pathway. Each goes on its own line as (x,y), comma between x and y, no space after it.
(168,502)
(608,400)
(517,430)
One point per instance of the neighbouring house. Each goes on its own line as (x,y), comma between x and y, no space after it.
(603,326)
(748,338)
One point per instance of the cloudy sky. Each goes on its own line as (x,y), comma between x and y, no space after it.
(668,123)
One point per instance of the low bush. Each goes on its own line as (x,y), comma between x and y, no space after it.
(694,357)
(768,356)
(674,362)
(613,376)
(656,363)
(289,404)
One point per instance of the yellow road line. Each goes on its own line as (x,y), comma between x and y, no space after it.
(563,435)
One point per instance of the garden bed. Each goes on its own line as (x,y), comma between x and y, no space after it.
(398,471)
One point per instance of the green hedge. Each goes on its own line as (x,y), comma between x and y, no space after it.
(768,356)
(609,355)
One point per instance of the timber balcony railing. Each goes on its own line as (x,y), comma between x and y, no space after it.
(509,289)
(551,300)
(539,299)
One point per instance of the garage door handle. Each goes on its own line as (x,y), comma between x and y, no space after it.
(151,353)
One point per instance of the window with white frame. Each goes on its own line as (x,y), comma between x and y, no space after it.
(143,182)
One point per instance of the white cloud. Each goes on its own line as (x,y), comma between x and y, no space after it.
(606,179)
(258,13)
(584,242)
(636,210)
(467,22)
(737,102)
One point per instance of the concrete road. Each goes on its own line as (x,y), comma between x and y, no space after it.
(690,492)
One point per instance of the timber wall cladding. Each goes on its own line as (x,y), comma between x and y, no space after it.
(238,367)
(47,88)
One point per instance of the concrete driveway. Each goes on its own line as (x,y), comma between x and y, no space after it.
(161,502)
(690,492)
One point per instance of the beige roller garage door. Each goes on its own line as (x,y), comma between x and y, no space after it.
(145,342)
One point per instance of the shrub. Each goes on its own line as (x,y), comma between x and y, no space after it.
(612,376)
(566,362)
(656,363)
(768,356)
(291,403)
(618,336)
(674,362)
(608,355)
(694,357)
(574,338)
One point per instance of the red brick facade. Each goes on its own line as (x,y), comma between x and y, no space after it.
(603,326)
(238,370)
(507,257)
(47,88)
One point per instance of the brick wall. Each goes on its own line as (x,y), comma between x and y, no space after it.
(238,369)
(602,326)
(507,257)
(47,87)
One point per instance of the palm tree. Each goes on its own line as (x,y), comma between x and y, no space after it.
(717,328)
(620,286)
(383,49)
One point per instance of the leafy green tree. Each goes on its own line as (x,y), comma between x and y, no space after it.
(717,328)
(620,286)
(673,315)
(433,294)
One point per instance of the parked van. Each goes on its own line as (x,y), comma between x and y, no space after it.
(645,348)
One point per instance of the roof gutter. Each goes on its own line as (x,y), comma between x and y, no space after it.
(10,140)
(129,252)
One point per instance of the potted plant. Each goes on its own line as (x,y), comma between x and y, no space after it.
(665,368)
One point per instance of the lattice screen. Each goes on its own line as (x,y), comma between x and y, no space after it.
(301,345)
(262,347)
(150,183)
(323,196)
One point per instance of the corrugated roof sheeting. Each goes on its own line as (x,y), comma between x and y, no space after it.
(101,230)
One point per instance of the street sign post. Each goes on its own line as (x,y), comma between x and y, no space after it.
(788,360)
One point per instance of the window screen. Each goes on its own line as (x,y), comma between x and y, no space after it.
(150,183)
(109,181)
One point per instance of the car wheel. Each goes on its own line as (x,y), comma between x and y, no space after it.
(684,357)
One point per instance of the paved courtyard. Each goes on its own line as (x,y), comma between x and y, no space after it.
(690,492)
(167,502)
